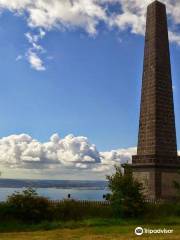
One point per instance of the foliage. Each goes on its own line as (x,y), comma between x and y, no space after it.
(126,194)
(28,206)
(67,210)
(177,187)
(162,210)
(71,209)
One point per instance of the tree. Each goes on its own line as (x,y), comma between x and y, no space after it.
(126,195)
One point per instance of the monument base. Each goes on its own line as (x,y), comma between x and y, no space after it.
(158,179)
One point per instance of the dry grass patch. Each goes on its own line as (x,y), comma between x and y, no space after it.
(89,233)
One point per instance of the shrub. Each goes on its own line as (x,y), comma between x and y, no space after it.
(27,206)
(160,210)
(126,194)
(177,188)
(5,212)
(75,210)
(67,210)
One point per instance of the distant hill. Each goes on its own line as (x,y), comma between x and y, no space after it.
(20,183)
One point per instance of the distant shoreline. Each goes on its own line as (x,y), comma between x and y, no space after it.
(58,184)
(78,188)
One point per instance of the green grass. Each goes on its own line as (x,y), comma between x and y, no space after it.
(89,229)
(91,222)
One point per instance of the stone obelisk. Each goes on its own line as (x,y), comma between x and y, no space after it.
(156,162)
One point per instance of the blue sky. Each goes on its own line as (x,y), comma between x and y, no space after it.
(91,87)
(87,84)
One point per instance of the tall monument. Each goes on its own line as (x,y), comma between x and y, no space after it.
(156,162)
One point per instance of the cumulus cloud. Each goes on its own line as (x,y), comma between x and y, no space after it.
(87,14)
(24,152)
(67,155)
(109,159)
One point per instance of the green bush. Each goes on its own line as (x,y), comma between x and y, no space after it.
(5,211)
(75,210)
(126,194)
(160,210)
(67,210)
(27,206)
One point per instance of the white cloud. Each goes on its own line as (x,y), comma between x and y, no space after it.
(35,50)
(87,14)
(133,17)
(35,61)
(33,39)
(59,13)
(110,158)
(174,37)
(24,152)
(71,155)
